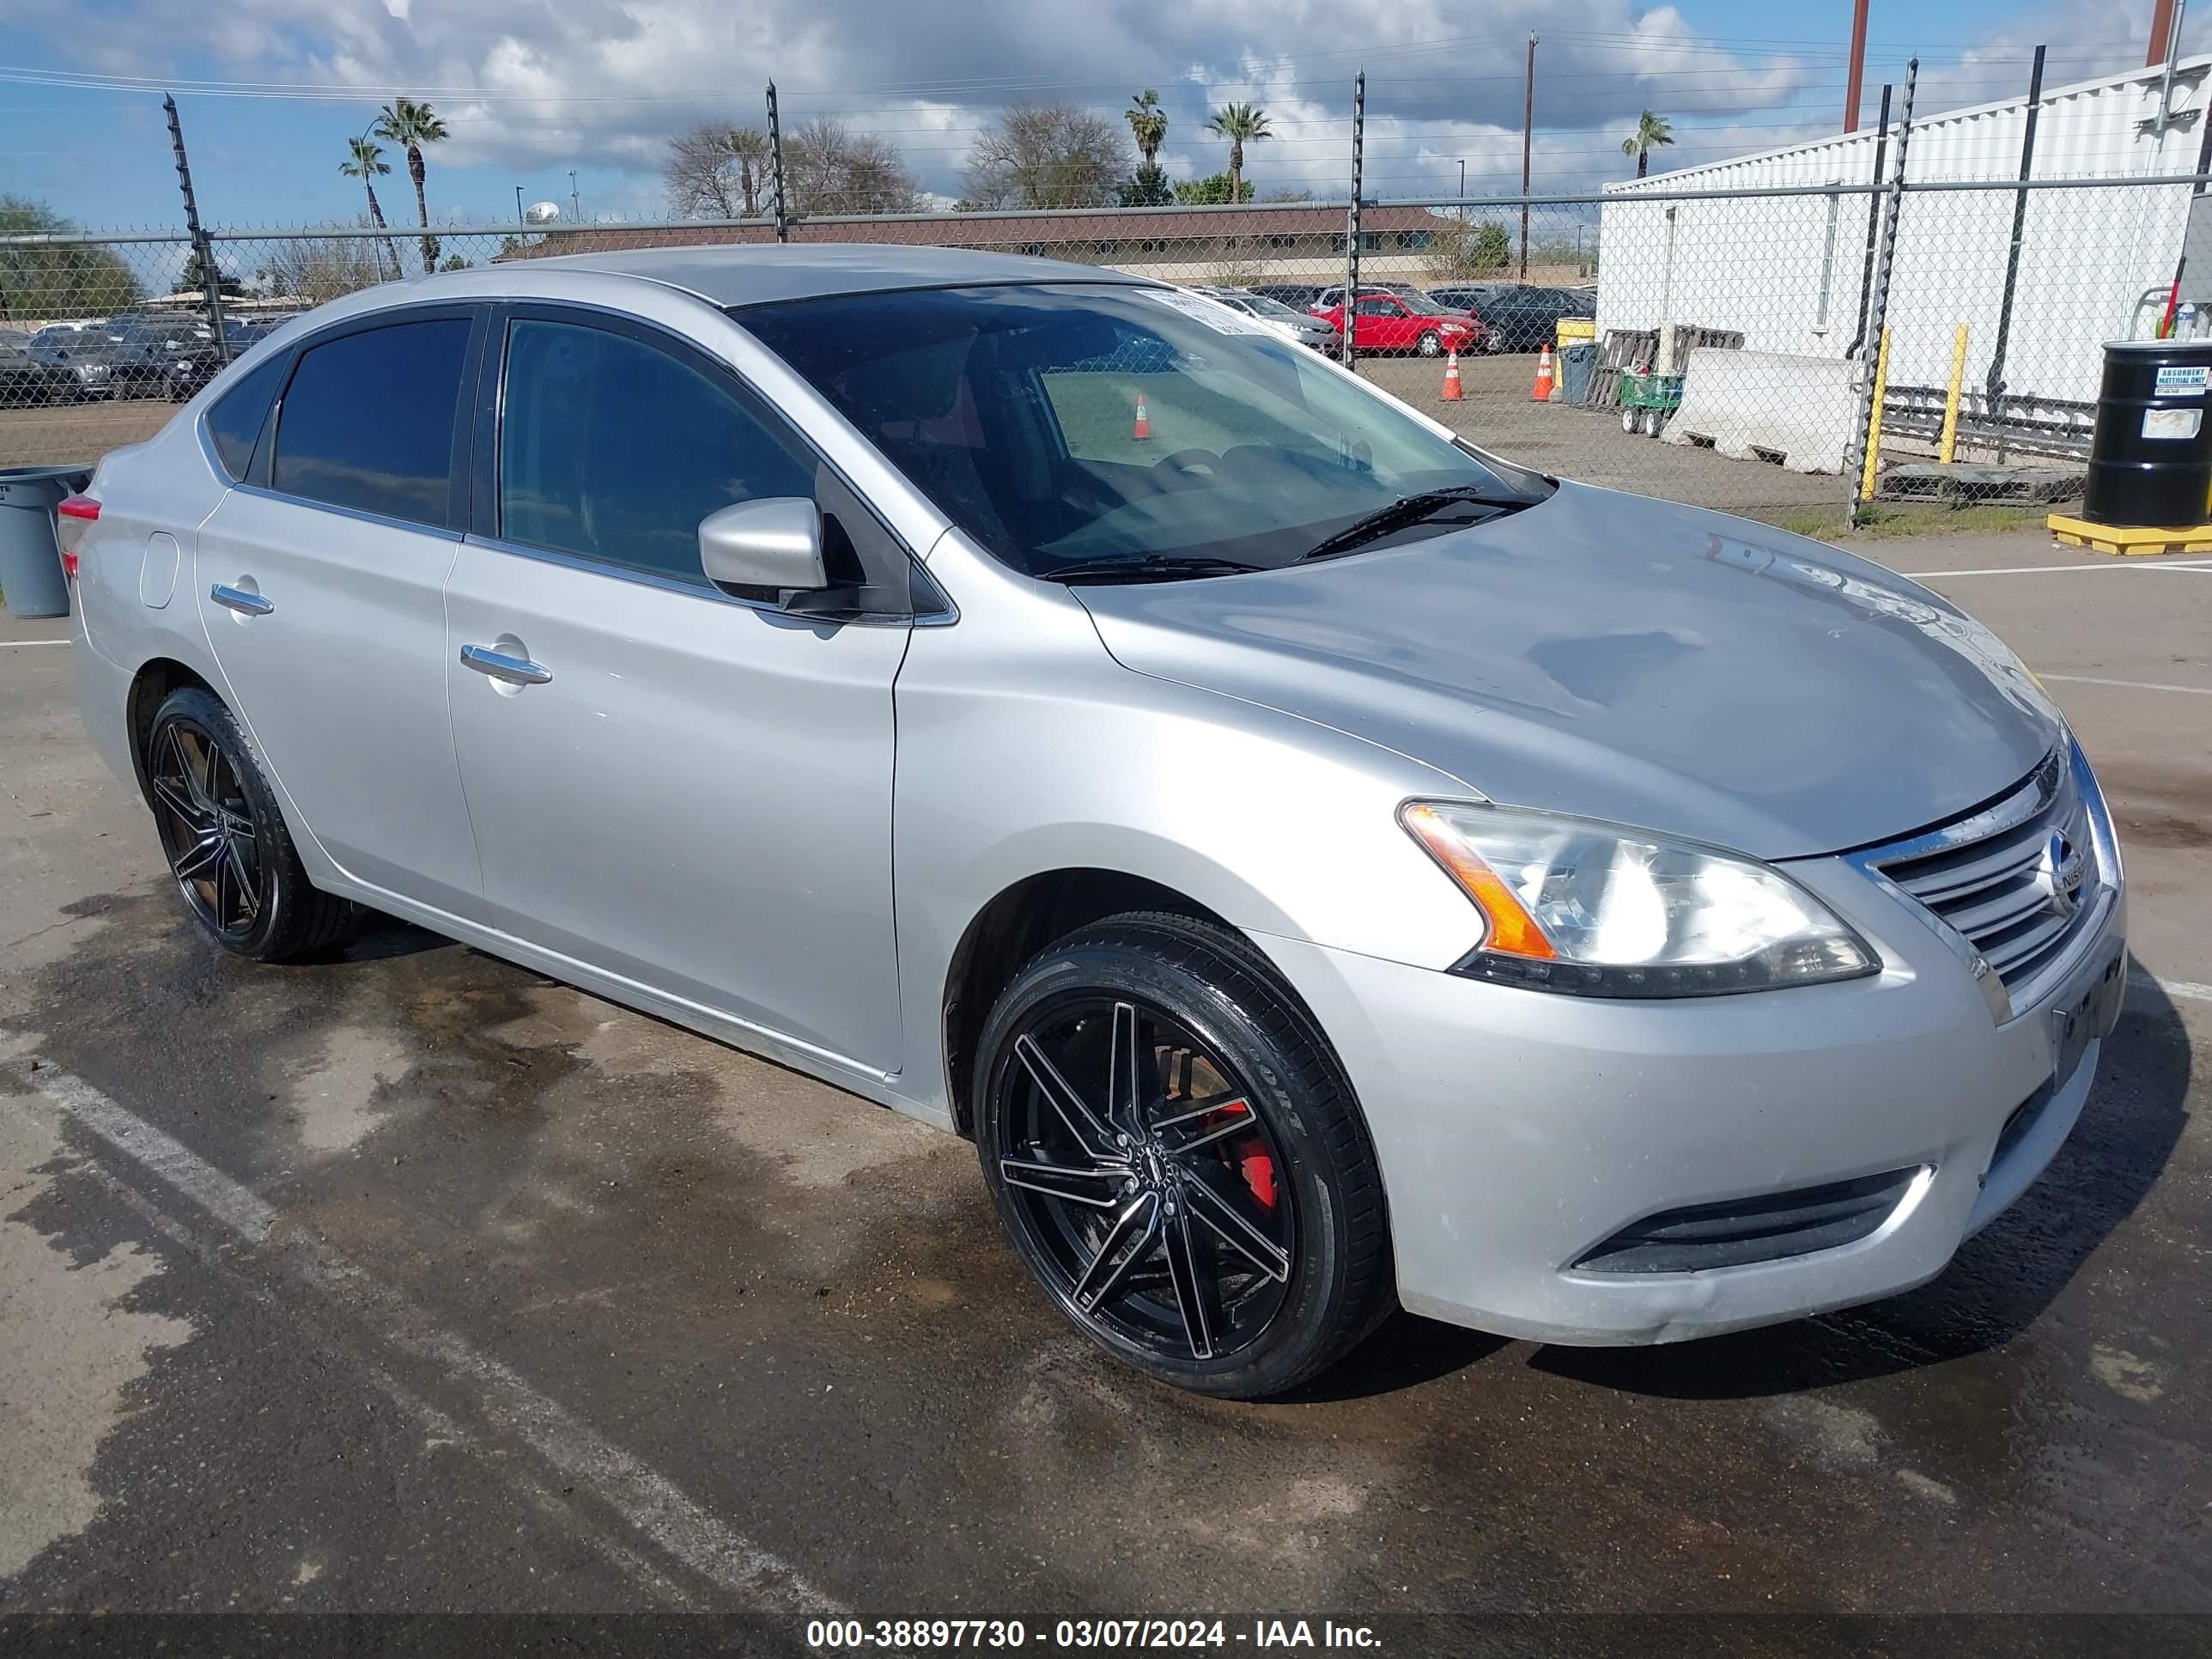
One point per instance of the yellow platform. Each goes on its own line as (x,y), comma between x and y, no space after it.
(2110,538)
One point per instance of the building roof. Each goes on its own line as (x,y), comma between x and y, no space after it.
(1104,231)
(758,275)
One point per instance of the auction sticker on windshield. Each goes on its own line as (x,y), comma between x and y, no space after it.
(1221,318)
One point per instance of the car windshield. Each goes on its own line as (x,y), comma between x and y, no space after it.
(1425,306)
(13,352)
(1260,306)
(1068,425)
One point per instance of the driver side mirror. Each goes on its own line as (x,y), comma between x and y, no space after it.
(774,544)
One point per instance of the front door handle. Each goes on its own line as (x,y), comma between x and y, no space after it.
(515,671)
(238,599)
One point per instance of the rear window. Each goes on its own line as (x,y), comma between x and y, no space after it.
(368,421)
(235,421)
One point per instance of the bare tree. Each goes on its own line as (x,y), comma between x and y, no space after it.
(717,171)
(1047,156)
(830,168)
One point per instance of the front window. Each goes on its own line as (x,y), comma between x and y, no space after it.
(1018,411)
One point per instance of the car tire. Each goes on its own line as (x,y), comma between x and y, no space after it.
(1430,344)
(1260,1206)
(226,842)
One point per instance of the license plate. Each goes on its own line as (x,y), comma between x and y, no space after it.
(2091,1014)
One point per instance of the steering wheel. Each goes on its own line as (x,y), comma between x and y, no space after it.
(1182,467)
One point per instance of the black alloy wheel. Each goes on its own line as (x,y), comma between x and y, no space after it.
(1178,1160)
(207,828)
(227,842)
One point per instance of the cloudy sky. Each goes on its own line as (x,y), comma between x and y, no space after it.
(272,89)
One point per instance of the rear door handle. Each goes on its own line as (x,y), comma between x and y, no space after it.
(515,671)
(238,599)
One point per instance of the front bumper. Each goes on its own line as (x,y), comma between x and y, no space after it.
(1519,1130)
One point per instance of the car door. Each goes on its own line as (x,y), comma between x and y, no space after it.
(695,793)
(320,581)
(1381,324)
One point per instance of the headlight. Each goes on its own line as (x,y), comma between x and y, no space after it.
(1602,911)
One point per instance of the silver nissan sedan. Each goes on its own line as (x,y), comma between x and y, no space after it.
(1323,866)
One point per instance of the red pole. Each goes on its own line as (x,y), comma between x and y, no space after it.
(2161,26)
(1858,65)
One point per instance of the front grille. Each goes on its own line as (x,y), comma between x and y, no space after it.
(2017,879)
(1768,1228)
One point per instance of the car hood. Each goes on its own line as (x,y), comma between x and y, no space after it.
(1612,657)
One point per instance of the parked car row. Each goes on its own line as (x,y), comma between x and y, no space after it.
(1459,316)
(119,357)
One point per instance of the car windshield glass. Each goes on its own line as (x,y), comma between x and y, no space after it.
(1425,306)
(1063,425)
(1274,310)
(12,353)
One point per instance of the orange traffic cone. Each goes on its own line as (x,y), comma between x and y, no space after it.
(1144,420)
(1451,393)
(1541,392)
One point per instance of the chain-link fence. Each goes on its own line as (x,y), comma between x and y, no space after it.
(1744,348)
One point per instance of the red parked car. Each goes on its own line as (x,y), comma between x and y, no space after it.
(1387,321)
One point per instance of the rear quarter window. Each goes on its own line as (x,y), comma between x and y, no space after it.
(235,421)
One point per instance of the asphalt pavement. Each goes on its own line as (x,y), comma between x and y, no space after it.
(414,1283)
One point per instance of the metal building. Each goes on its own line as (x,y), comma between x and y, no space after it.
(1790,273)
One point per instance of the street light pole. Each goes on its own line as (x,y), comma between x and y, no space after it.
(1527,133)
(518,205)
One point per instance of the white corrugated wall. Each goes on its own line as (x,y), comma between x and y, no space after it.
(1786,272)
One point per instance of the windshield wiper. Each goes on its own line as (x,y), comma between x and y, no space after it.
(1409,511)
(1151,568)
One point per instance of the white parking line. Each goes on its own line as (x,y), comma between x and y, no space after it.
(2183,987)
(2129,685)
(2054,570)
(11,644)
(642,1496)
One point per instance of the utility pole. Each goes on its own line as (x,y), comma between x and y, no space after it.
(1528,132)
(775,157)
(1352,221)
(575,202)
(202,249)
(1857,75)
(2161,34)
(519,219)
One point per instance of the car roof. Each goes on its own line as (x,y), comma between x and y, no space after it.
(807,271)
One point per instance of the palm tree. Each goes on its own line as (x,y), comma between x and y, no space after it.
(1240,123)
(368,166)
(411,126)
(1148,123)
(1651,132)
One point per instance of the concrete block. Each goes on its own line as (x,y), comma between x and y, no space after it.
(1768,406)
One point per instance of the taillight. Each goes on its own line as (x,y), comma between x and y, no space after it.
(76,513)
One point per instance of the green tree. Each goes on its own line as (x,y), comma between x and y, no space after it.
(368,165)
(1458,250)
(61,279)
(1148,124)
(1240,124)
(410,125)
(1651,132)
(1147,186)
(454,262)
(1215,189)
(193,278)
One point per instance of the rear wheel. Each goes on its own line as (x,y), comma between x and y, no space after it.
(1179,1159)
(227,845)
(1430,344)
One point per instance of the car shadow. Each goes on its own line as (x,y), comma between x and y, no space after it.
(1405,1352)
(2001,1280)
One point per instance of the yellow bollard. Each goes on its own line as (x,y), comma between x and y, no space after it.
(1874,419)
(1950,399)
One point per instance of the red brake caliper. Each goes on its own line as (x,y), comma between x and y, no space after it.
(1250,1156)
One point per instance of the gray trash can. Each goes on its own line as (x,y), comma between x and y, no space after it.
(30,555)
(1578,363)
